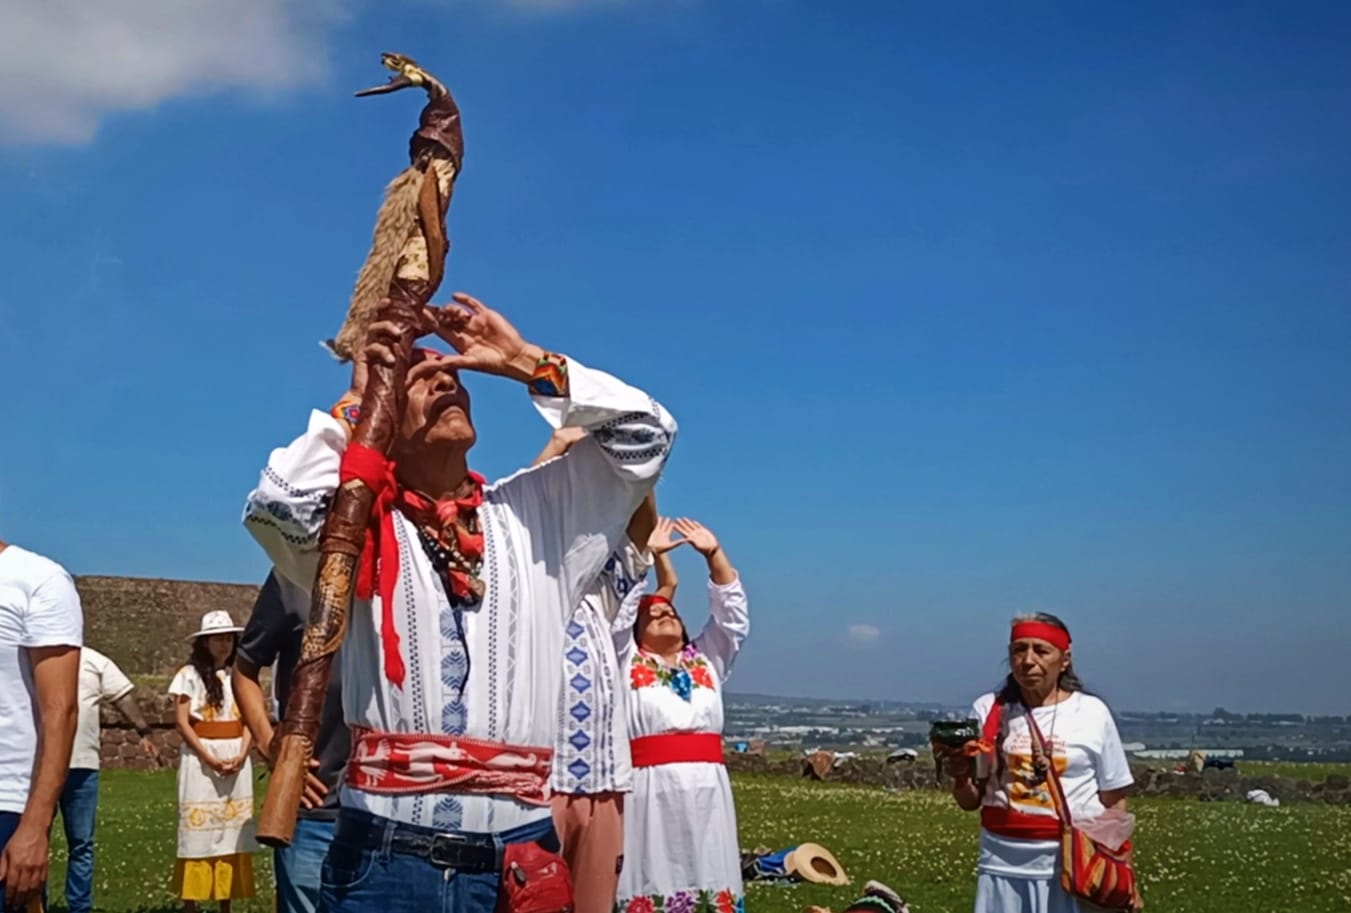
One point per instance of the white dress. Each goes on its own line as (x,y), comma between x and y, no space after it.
(680,840)
(215,812)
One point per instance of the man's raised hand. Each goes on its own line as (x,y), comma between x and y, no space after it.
(484,340)
(381,339)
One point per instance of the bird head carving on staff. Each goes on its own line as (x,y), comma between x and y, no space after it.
(407,74)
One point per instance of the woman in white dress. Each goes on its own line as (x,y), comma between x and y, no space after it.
(680,839)
(215,776)
(1019,865)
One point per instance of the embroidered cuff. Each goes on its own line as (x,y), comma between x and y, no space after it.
(551,376)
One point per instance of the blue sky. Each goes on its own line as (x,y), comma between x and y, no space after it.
(963,314)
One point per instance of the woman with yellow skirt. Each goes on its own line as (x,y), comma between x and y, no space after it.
(215,776)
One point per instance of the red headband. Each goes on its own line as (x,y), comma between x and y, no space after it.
(651,599)
(1040,630)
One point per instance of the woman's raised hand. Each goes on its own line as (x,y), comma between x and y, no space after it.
(663,537)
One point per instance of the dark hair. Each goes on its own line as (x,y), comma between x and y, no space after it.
(684,634)
(201,660)
(1009,693)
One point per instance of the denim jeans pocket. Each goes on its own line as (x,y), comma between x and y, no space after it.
(346,866)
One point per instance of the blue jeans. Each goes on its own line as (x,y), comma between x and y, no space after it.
(79,801)
(299,865)
(358,879)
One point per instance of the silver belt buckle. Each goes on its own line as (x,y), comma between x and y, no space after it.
(443,848)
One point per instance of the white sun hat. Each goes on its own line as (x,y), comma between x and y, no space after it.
(217,622)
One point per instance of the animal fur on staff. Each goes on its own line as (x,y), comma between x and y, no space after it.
(402,272)
(398,218)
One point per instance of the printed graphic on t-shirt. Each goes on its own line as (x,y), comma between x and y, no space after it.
(1027,791)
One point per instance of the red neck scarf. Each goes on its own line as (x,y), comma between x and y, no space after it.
(450,528)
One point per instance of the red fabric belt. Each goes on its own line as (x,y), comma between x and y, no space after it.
(408,763)
(1005,822)
(677,748)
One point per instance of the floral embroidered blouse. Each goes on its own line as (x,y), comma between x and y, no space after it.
(685,697)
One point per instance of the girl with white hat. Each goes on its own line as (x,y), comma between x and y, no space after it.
(215,776)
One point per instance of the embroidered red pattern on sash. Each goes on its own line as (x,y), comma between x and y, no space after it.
(408,763)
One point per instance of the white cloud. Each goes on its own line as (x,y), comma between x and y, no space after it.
(863,635)
(64,64)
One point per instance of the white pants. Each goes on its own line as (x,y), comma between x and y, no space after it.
(1000,894)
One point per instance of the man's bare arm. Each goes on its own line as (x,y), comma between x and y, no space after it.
(253,704)
(56,678)
(127,706)
(643,522)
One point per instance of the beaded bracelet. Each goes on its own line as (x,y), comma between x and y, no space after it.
(348,411)
(551,376)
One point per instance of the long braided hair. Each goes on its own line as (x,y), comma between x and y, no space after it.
(205,664)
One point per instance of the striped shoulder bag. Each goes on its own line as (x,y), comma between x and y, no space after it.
(1089,870)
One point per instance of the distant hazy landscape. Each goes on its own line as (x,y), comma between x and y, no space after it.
(877,725)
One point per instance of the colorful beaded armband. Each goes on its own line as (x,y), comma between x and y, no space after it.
(348,411)
(551,376)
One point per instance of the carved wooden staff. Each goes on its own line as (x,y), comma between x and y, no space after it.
(401,273)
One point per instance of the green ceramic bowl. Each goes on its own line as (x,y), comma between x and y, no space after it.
(954,733)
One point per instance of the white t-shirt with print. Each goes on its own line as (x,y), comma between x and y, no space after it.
(38,608)
(1088,757)
(100,680)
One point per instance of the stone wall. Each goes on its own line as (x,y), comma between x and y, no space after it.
(143,624)
(1212,785)
(121,745)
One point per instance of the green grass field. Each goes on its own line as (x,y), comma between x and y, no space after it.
(1194,857)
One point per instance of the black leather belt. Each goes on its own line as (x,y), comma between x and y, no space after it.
(446,851)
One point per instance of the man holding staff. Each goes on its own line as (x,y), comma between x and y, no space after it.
(450,669)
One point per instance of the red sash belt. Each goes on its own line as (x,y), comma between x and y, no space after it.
(677,748)
(407,763)
(1015,825)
